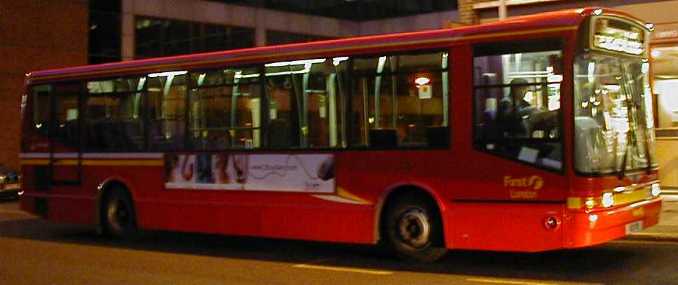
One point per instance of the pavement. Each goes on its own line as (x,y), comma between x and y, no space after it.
(667,229)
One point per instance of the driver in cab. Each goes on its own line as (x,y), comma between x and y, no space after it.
(514,111)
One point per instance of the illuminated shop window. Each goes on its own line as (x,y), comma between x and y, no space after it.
(665,84)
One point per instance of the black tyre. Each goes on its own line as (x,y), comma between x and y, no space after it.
(118,216)
(413,229)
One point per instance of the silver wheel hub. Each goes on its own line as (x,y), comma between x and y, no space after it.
(117,215)
(414,228)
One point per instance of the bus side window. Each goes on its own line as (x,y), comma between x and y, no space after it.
(286,121)
(517,101)
(406,95)
(114,115)
(37,118)
(167,103)
(225,109)
(65,127)
(41,108)
(306,103)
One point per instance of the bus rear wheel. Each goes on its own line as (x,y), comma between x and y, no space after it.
(413,230)
(119,219)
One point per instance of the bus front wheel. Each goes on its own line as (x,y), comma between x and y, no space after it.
(413,230)
(119,219)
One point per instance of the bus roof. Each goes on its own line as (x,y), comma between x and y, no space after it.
(543,22)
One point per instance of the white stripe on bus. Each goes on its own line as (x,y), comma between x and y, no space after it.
(105,155)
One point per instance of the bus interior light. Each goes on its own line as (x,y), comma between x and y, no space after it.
(239,75)
(422,80)
(295,62)
(337,60)
(168,73)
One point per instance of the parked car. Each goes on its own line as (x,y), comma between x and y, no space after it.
(10,188)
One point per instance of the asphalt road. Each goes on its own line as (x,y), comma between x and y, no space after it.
(33,251)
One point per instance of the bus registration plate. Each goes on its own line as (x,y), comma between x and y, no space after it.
(634,227)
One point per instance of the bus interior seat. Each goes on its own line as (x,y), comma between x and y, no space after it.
(383,138)
(438,136)
(278,134)
(215,140)
(167,134)
(112,135)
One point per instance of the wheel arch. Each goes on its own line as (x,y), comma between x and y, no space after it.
(402,189)
(102,190)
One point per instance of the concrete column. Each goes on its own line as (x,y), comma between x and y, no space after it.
(466,13)
(128,26)
(260,27)
(502,9)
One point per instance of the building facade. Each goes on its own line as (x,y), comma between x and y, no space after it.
(34,35)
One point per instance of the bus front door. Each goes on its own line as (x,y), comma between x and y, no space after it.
(65,155)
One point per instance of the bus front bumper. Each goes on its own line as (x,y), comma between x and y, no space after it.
(587,228)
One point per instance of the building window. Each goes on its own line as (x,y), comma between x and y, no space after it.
(665,83)
(105,36)
(156,37)
(352,9)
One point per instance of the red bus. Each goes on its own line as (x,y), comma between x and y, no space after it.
(530,134)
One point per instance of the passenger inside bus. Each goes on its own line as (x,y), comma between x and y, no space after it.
(514,111)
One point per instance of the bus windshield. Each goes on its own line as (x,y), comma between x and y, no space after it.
(614,129)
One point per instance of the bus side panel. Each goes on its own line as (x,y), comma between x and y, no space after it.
(141,181)
(276,215)
(158,208)
(336,223)
(245,213)
(63,208)
(504,226)
(30,188)
(200,217)
(60,203)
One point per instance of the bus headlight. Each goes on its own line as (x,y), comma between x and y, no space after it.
(590,203)
(655,190)
(608,200)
